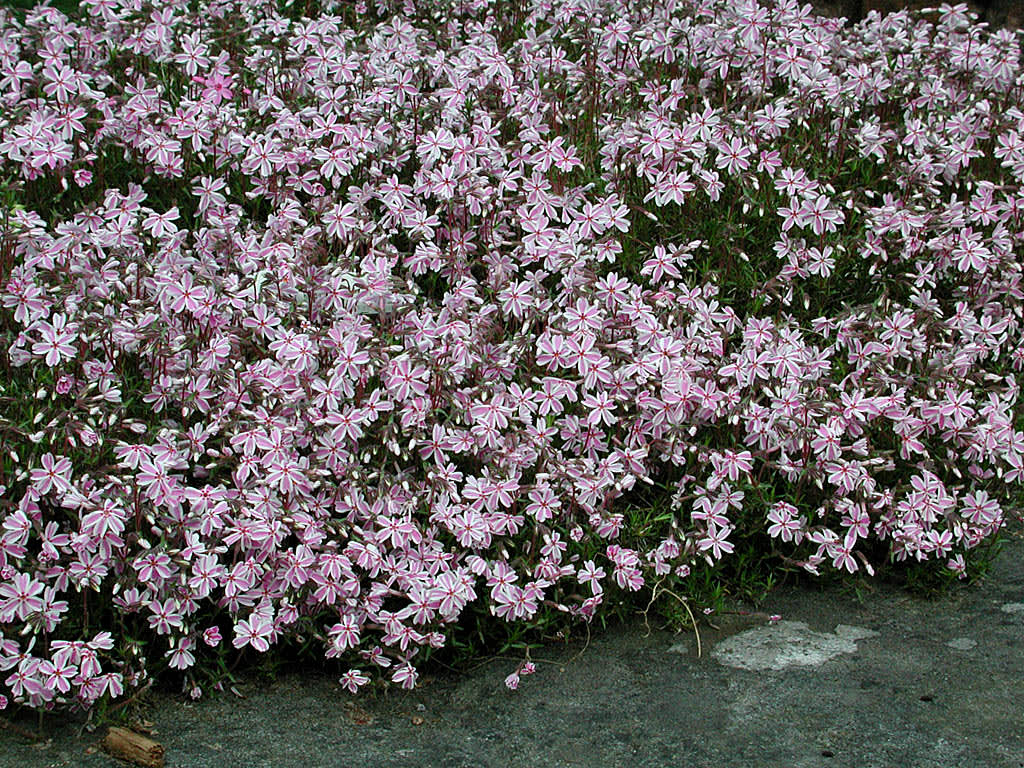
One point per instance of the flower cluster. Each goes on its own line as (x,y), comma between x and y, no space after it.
(345,326)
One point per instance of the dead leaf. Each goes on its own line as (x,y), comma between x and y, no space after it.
(358,715)
(143,726)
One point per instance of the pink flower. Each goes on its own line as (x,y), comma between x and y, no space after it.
(590,574)
(19,597)
(211,636)
(218,87)
(184,294)
(253,631)
(405,675)
(353,680)
(345,633)
(715,541)
(180,656)
(56,340)
(167,616)
(55,475)
(957,565)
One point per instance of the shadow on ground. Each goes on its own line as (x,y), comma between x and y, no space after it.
(890,681)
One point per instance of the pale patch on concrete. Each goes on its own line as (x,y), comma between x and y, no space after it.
(962,643)
(1012,608)
(850,632)
(788,644)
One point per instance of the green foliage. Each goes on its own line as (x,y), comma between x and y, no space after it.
(67,7)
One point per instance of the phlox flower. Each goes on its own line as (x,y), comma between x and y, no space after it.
(590,574)
(353,680)
(211,636)
(341,220)
(161,224)
(715,541)
(970,253)
(166,616)
(429,318)
(20,596)
(55,475)
(25,679)
(180,655)
(405,675)
(732,156)
(957,565)
(217,87)
(184,294)
(731,463)
(57,336)
(253,631)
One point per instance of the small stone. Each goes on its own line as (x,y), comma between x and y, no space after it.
(1012,608)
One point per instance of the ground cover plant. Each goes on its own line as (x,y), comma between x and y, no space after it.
(351,324)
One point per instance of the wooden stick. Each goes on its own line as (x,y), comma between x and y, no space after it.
(133,747)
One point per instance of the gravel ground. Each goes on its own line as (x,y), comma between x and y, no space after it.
(892,680)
